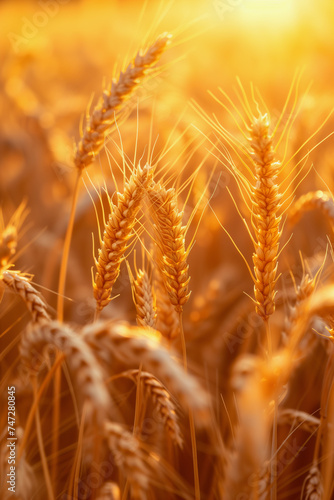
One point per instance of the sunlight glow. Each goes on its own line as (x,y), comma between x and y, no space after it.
(272,12)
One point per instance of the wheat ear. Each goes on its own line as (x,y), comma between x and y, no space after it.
(8,244)
(172,255)
(117,232)
(35,303)
(303,292)
(85,371)
(130,458)
(265,208)
(319,200)
(162,401)
(103,116)
(167,318)
(313,487)
(300,419)
(9,234)
(143,298)
(108,491)
(133,345)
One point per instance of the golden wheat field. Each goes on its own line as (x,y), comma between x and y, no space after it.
(166,258)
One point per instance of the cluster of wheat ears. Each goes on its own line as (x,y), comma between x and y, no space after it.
(110,410)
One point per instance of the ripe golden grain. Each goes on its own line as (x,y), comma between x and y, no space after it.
(172,255)
(117,232)
(104,115)
(143,297)
(265,207)
(132,346)
(129,458)
(162,401)
(32,298)
(86,374)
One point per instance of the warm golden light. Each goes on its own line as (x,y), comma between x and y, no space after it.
(166,249)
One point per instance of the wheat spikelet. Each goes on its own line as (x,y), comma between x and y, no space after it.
(9,234)
(8,244)
(143,297)
(132,346)
(86,373)
(33,300)
(321,304)
(109,491)
(265,207)
(303,291)
(103,116)
(167,318)
(117,232)
(300,419)
(319,200)
(313,487)
(172,256)
(264,481)
(162,401)
(129,458)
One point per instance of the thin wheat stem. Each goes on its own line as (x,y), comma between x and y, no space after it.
(56,417)
(66,250)
(32,411)
(191,416)
(47,477)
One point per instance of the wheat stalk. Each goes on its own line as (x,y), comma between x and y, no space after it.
(117,232)
(132,346)
(265,210)
(103,116)
(130,458)
(172,255)
(85,371)
(21,286)
(162,401)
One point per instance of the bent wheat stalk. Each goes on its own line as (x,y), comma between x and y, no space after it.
(320,200)
(133,345)
(300,419)
(85,371)
(35,303)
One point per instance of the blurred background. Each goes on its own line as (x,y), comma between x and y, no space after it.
(57,55)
